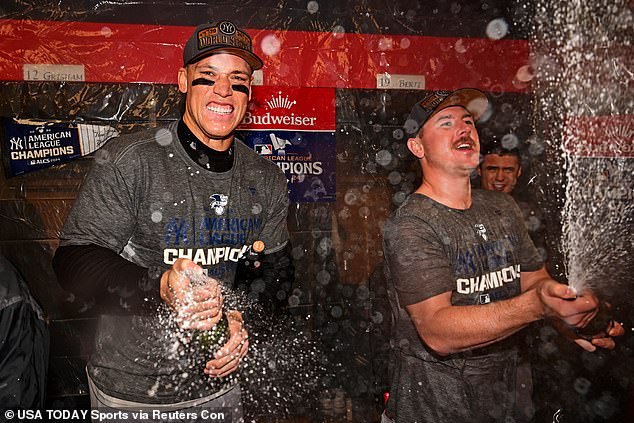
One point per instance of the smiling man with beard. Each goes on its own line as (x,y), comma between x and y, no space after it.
(463,277)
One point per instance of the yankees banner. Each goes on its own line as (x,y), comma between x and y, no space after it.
(295,128)
(29,146)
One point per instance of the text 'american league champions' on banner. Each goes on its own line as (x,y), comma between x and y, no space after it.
(28,146)
(295,128)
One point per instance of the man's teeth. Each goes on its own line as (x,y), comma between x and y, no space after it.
(220,109)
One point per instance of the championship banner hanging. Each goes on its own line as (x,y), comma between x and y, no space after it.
(295,128)
(599,136)
(28,146)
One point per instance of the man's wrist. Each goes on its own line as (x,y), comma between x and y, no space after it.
(535,305)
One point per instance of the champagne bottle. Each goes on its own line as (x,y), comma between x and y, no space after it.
(253,256)
(599,326)
(214,338)
(211,339)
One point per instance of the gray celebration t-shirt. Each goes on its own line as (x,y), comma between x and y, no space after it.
(477,254)
(147,200)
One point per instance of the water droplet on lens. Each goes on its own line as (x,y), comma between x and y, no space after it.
(312,7)
(510,141)
(460,47)
(336,312)
(157,216)
(106,31)
(497,29)
(582,385)
(102,156)
(323,277)
(271,45)
(385,44)
(399,197)
(163,137)
(525,73)
(395,178)
(338,31)
(384,158)
(351,197)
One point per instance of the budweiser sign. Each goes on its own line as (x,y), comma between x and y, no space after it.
(281,108)
(295,129)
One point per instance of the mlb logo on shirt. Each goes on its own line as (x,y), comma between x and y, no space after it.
(485,299)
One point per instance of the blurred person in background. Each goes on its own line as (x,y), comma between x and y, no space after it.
(500,170)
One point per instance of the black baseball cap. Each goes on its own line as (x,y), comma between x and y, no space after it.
(474,100)
(221,37)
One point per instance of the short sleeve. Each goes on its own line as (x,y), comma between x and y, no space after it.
(417,263)
(104,212)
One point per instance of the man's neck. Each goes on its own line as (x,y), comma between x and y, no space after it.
(208,158)
(454,192)
(213,143)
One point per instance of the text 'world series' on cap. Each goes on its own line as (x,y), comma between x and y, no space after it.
(221,37)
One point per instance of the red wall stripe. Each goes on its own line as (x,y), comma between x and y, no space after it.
(137,53)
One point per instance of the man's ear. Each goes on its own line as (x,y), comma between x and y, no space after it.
(182,80)
(416,147)
(519,171)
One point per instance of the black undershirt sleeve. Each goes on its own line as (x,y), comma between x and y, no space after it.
(108,283)
(271,283)
(105,281)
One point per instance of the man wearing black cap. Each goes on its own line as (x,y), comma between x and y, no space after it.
(464,276)
(159,208)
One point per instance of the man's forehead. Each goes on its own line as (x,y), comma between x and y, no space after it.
(224,62)
(451,112)
(501,159)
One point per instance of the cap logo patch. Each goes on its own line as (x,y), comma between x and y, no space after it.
(216,35)
(227,28)
(433,100)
